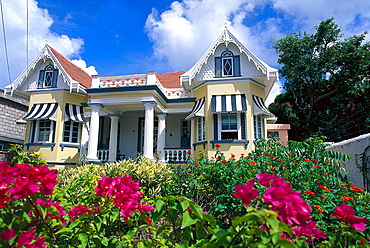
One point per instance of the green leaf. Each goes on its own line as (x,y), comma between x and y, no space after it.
(84,239)
(64,231)
(74,224)
(209,245)
(159,205)
(286,243)
(187,220)
(184,205)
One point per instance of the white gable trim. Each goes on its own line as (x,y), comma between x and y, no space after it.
(45,54)
(226,37)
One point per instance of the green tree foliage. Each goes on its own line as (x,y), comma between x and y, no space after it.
(327,79)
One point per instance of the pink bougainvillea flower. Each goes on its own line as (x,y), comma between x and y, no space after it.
(287,203)
(49,203)
(309,230)
(124,192)
(245,192)
(265,179)
(8,235)
(26,238)
(78,210)
(345,212)
(23,187)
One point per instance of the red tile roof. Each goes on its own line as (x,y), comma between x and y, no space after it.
(170,79)
(75,72)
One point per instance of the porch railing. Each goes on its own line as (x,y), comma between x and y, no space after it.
(103,155)
(175,155)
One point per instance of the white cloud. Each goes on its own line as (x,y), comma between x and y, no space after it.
(40,33)
(82,64)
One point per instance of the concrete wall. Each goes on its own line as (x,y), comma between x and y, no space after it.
(356,148)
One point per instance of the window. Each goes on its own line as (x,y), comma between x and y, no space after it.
(229,126)
(227,65)
(201,131)
(258,127)
(48,77)
(71,131)
(44,131)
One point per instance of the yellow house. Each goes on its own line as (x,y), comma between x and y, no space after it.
(220,100)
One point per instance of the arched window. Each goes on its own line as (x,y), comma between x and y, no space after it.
(227,65)
(48,77)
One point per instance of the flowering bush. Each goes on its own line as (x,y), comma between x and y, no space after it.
(287,200)
(31,217)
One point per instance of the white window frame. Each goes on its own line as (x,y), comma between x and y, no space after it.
(71,132)
(238,124)
(232,66)
(201,130)
(37,131)
(45,77)
(258,131)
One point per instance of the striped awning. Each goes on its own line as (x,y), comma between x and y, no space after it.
(198,109)
(74,113)
(229,104)
(45,111)
(259,107)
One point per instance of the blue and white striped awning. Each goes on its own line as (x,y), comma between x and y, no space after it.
(45,111)
(229,104)
(198,109)
(259,107)
(74,113)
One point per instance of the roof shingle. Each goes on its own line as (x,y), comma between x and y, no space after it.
(170,79)
(75,72)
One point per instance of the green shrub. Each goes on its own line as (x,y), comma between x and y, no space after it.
(154,177)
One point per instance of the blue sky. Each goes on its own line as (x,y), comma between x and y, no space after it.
(114,37)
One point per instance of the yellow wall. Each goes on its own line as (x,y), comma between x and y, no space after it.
(55,154)
(248,88)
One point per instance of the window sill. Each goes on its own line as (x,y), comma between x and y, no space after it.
(52,145)
(75,145)
(246,142)
(200,143)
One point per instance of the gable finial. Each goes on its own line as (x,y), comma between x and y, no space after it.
(225,23)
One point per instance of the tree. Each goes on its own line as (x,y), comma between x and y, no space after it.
(326,77)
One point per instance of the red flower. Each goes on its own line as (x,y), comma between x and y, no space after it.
(319,208)
(323,197)
(314,160)
(252,162)
(246,192)
(355,188)
(285,166)
(324,188)
(326,174)
(296,163)
(345,212)
(223,161)
(347,198)
(191,174)
(309,192)
(272,169)
(291,154)
(196,164)
(188,152)
(148,221)
(318,166)
(217,145)
(232,155)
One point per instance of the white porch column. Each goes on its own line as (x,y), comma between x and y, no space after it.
(93,136)
(149,129)
(113,138)
(193,134)
(161,141)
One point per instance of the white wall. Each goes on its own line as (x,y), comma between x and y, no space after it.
(356,148)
